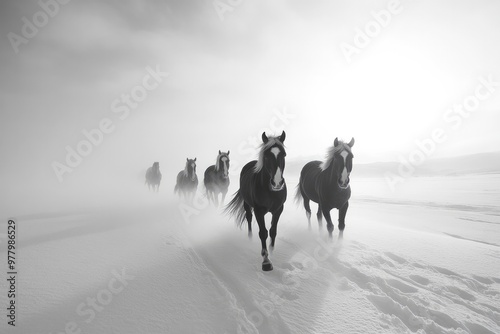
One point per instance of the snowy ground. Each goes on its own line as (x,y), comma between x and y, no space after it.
(425,259)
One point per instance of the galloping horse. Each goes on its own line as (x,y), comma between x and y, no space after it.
(263,189)
(187,181)
(216,178)
(327,183)
(153,176)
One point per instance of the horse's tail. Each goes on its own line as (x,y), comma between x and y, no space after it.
(146,181)
(236,208)
(298,194)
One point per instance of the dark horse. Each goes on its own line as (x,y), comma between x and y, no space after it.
(187,181)
(153,176)
(263,189)
(216,179)
(327,183)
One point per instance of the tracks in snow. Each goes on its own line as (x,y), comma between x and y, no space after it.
(406,296)
(413,296)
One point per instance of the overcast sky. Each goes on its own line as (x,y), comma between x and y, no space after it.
(231,72)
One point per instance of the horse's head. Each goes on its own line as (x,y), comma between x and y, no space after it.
(342,161)
(191,168)
(156,166)
(272,160)
(222,164)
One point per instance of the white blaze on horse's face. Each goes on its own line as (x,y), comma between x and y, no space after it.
(344,177)
(277,183)
(275,151)
(193,166)
(224,164)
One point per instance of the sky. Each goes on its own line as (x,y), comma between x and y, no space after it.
(230,70)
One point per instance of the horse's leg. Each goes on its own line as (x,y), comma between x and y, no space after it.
(319,215)
(248,215)
(259,216)
(216,199)
(207,193)
(329,224)
(308,208)
(342,213)
(274,225)
(212,200)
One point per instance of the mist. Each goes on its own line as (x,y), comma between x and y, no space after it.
(92,93)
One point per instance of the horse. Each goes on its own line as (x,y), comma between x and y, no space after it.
(262,189)
(153,177)
(327,183)
(216,179)
(187,181)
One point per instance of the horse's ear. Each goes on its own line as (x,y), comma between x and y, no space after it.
(335,142)
(219,152)
(187,159)
(194,159)
(228,152)
(264,137)
(283,136)
(351,143)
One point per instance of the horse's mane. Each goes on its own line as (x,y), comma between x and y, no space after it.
(263,148)
(222,154)
(330,154)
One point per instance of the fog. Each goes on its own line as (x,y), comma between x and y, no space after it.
(163,81)
(92,93)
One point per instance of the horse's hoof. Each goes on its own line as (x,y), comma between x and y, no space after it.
(250,234)
(267,266)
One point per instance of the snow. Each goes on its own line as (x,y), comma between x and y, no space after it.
(424,259)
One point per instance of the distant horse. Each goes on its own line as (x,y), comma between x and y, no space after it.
(187,181)
(327,183)
(153,176)
(216,178)
(263,189)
